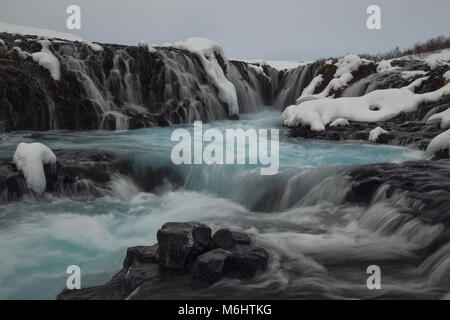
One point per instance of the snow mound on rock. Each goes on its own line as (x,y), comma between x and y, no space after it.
(30,158)
(440,142)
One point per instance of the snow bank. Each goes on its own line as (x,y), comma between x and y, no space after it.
(2,42)
(440,142)
(207,50)
(340,122)
(46,59)
(375,133)
(46,33)
(30,159)
(378,105)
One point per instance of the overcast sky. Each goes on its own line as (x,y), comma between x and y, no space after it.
(246,29)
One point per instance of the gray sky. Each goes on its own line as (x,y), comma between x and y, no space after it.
(246,29)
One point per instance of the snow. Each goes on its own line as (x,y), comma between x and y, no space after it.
(309,90)
(46,59)
(144,44)
(2,42)
(278,64)
(378,105)
(385,66)
(30,158)
(342,76)
(439,58)
(46,33)
(440,142)
(206,50)
(375,133)
(411,74)
(443,117)
(447,75)
(339,122)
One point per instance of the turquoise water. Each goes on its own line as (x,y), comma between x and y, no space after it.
(39,239)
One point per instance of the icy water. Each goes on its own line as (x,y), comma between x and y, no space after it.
(320,247)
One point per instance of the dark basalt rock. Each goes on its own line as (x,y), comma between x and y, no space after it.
(209,267)
(181,265)
(226,238)
(179,243)
(80,173)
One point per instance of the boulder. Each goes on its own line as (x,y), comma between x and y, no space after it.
(209,267)
(180,243)
(227,239)
(246,262)
(142,254)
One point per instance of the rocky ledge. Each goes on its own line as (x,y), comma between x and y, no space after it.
(407,129)
(185,260)
(79,173)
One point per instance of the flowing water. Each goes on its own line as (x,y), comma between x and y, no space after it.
(319,245)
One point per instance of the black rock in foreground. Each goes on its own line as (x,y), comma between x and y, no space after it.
(186,259)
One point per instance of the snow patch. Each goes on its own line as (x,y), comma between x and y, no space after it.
(440,142)
(30,158)
(340,122)
(46,59)
(411,74)
(375,133)
(309,90)
(207,50)
(385,66)
(2,42)
(145,45)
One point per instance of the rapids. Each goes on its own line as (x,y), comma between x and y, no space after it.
(320,245)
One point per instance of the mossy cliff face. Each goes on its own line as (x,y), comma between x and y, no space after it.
(120,87)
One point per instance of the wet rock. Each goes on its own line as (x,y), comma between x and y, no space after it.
(180,243)
(209,267)
(141,254)
(246,262)
(178,267)
(227,239)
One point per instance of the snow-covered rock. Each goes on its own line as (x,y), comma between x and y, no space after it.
(145,45)
(440,142)
(375,133)
(411,74)
(443,117)
(46,59)
(385,66)
(30,158)
(342,77)
(378,105)
(46,33)
(209,52)
(447,75)
(340,122)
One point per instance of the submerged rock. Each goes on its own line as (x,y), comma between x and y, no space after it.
(182,264)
